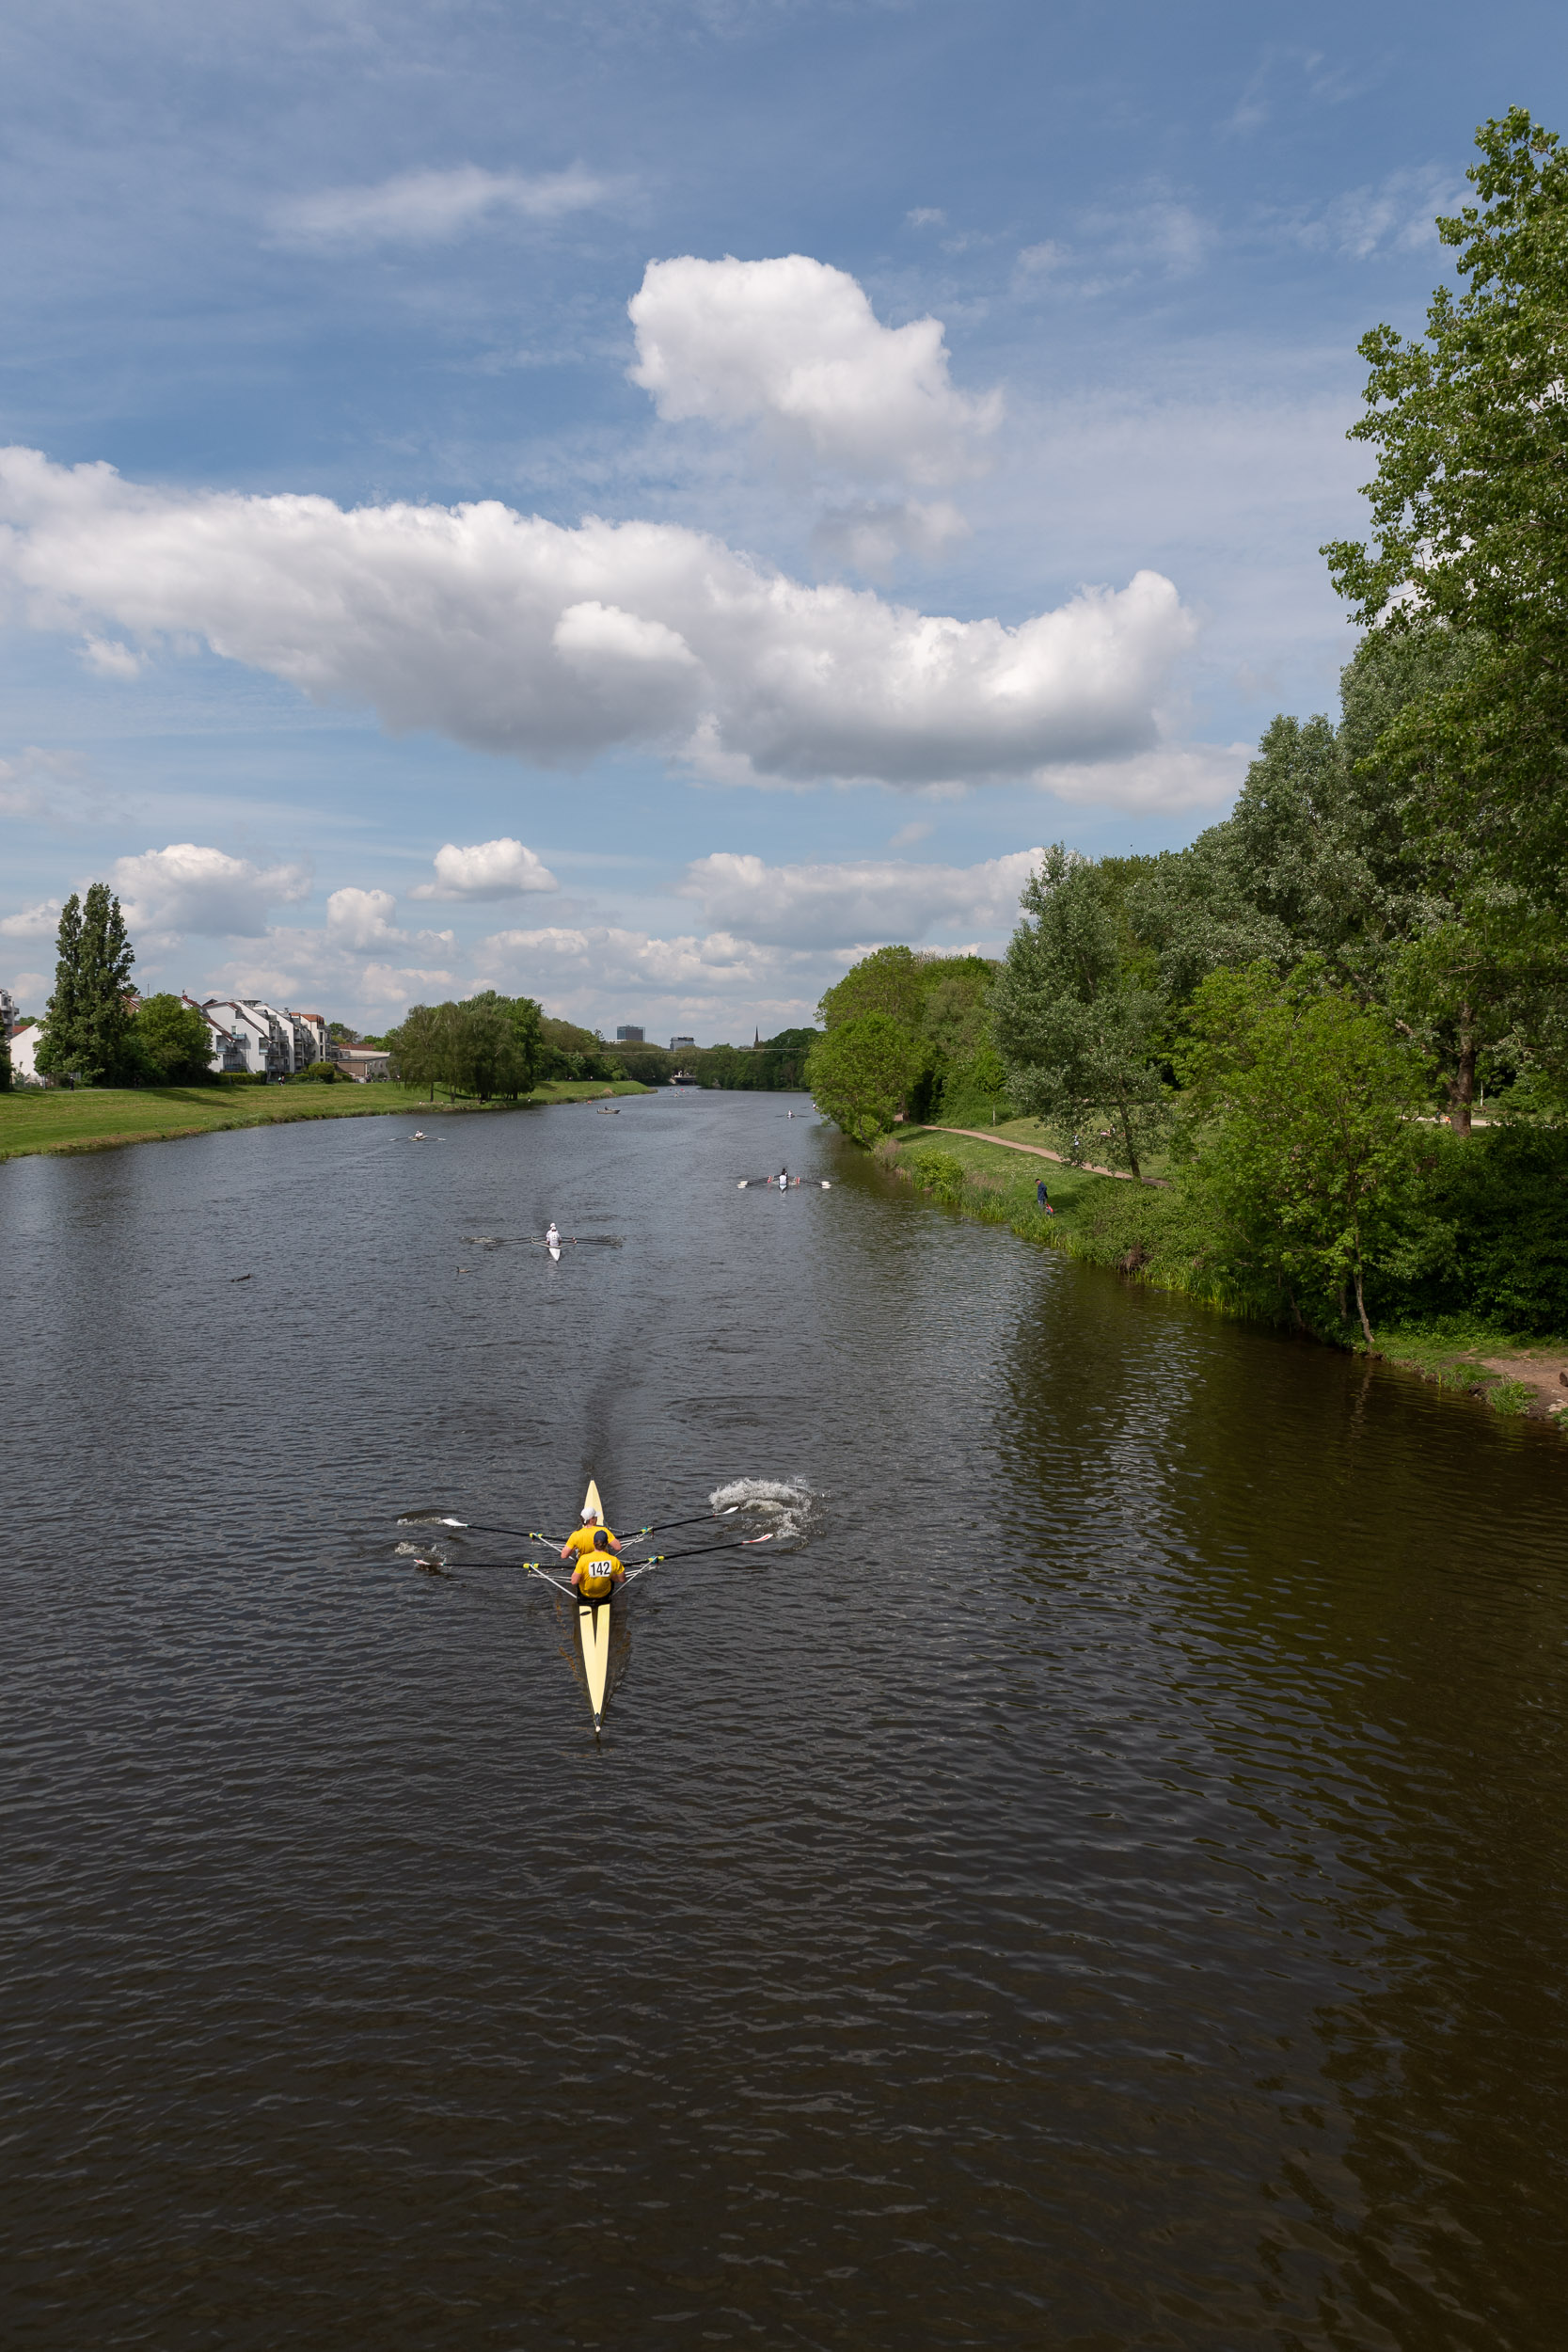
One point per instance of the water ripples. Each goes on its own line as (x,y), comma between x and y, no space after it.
(1093,1880)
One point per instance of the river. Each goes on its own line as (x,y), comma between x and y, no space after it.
(1099,1884)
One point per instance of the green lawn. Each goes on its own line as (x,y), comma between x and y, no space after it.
(93,1119)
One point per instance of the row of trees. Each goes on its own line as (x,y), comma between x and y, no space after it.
(1378,933)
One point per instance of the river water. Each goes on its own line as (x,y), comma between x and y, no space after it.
(1100,1885)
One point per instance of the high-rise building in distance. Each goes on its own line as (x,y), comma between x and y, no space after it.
(628,1036)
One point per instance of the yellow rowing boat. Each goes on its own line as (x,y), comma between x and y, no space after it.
(593,1628)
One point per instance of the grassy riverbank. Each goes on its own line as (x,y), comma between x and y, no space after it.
(1155,1235)
(97,1119)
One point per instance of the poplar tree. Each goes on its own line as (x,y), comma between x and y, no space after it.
(87,1023)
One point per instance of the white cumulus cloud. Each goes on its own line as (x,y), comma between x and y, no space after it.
(34,922)
(363,919)
(859,901)
(515,634)
(189,887)
(486,870)
(795,346)
(360,921)
(433,207)
(1167,780)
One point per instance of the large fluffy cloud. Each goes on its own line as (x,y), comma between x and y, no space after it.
(795,346)
(857,902)
(432,207)
(486,870)
(514,634)
(189,887)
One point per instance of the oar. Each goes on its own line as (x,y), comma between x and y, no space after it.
(702,1518)
(531,1567)
(482,1527)
(534,1568)
(537,1534)
(699,1551)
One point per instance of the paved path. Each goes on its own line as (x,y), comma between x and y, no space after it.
(980,1135)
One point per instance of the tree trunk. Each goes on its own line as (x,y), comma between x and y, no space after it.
(1462,1085)
(1131,1149)
(1361,1303)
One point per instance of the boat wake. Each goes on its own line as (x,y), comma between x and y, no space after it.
(782,1506)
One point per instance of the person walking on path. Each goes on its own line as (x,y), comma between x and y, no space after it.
(1043,1198)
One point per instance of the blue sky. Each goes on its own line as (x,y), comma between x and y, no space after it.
(639,502)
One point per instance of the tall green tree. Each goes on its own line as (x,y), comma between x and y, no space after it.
(87,1023)
(1082,1037)
(1469,509)
(1300,1100)
(859,1072)
(418,1046)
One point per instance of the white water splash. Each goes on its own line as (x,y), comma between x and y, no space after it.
(784,1505)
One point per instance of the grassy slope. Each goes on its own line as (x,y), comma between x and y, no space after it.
(1108,1223)
(1101,1147)
(1099,1218)
(92,1118)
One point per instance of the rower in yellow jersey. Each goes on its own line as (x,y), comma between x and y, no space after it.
(599,1569)
(593,1535)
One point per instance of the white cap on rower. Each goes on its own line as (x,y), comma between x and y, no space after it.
(590,1518)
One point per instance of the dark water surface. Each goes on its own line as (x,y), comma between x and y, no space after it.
(1104,1888)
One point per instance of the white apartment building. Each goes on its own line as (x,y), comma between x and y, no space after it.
(270,1040)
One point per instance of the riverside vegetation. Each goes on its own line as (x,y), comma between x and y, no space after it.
(1334,1030)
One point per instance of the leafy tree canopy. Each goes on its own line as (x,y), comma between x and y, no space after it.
(859,1072)
(1469,507)
(172,1041)
(1302,1100)
(1081,1035)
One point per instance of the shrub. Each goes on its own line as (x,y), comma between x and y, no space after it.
(938,1172)
(322,1073)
